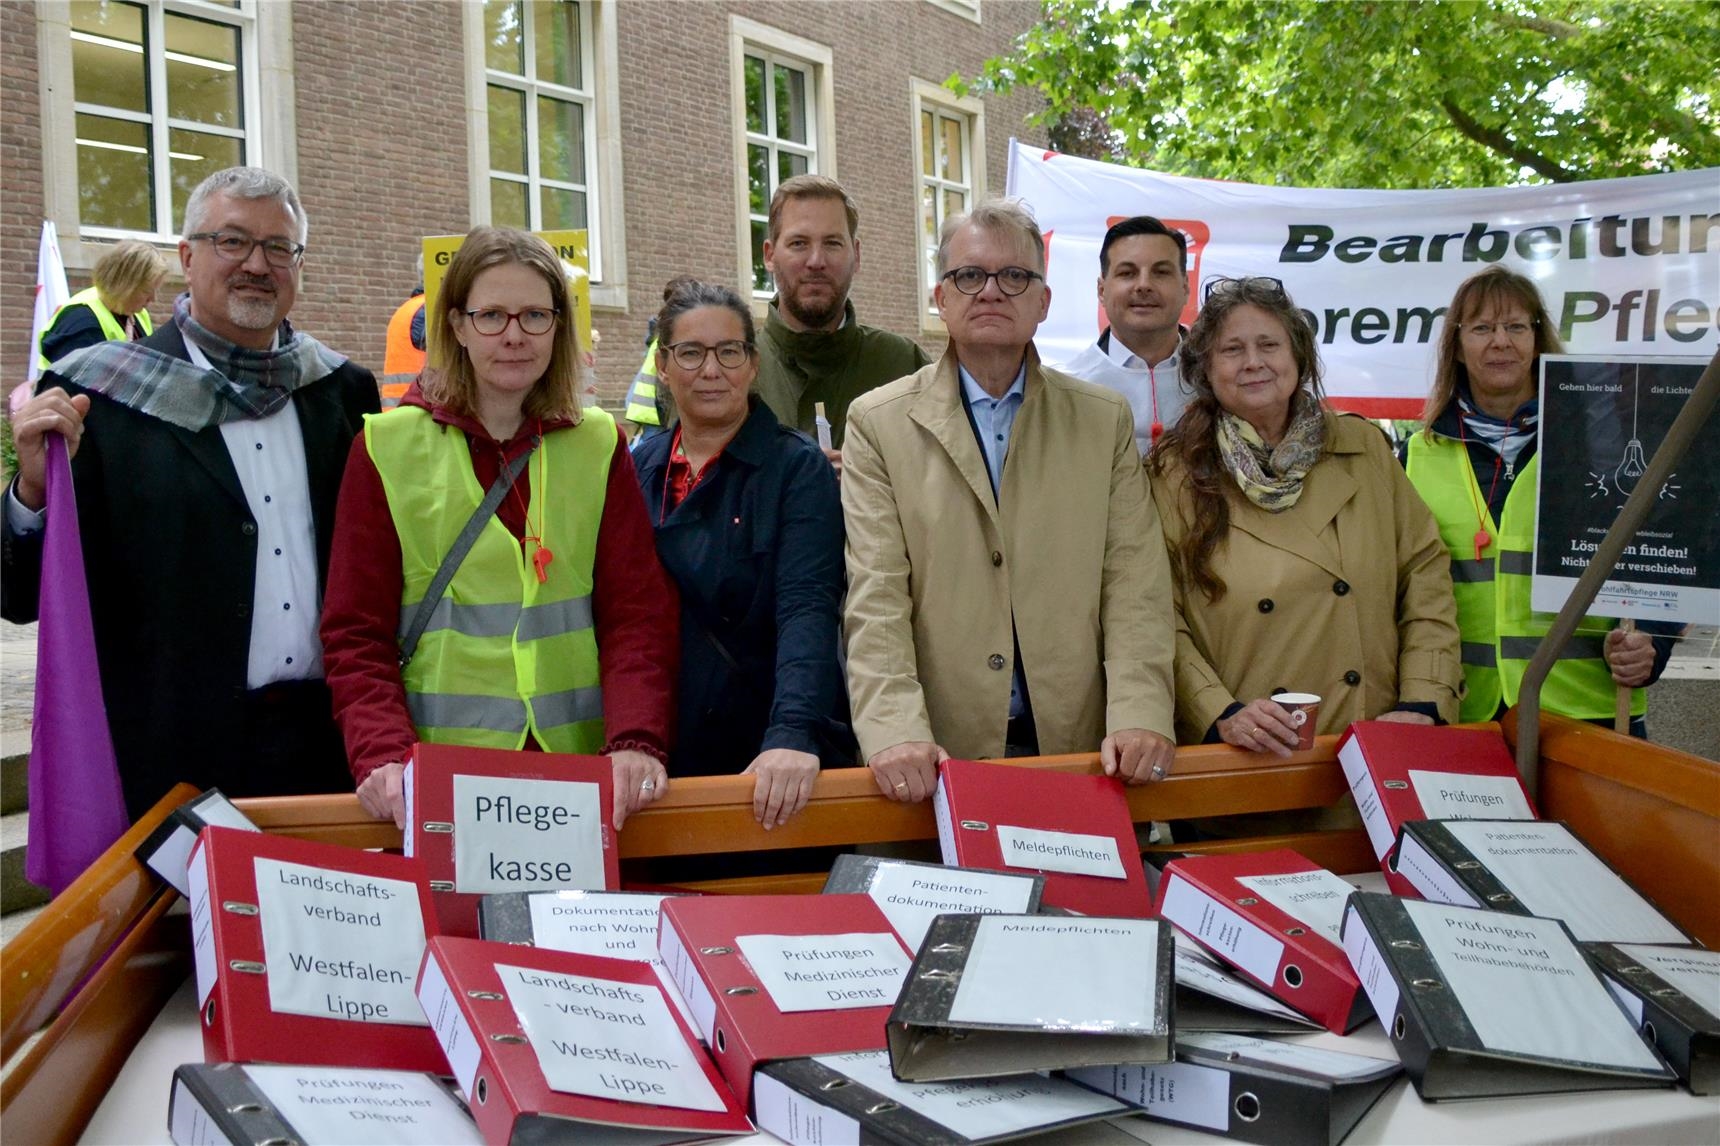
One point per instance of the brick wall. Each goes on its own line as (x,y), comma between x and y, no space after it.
(382,151)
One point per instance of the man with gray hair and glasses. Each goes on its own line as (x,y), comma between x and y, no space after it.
(206,460)
(1008,589)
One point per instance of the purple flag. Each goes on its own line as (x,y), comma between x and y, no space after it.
(76,807)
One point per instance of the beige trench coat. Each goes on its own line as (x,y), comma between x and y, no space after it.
(1070,547)
(1347,594)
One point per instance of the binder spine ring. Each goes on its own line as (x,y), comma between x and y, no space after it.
(740,990)
(1247,1106)
(1399,1027)
(833,1084)
(209,1014)
(248,967)
(237,908)
(1247,901)
(1467,865)
(941,975)
(716,950)
(883,1107)
(245,1108)
(1502,897)
(277,1142)
(1427,984)
(1397,785)
(440,827)
(441,885)
(482,1090)
(1295,931)
(510,1039)
(976,825)
(491,995)
(1406,945)
(947,948)
(1292,975)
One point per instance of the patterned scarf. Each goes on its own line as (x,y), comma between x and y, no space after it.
(1508,439)
(243,383)
(1271,477)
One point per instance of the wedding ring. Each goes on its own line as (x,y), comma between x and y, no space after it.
(1158,771)
(901,786)
(648,786)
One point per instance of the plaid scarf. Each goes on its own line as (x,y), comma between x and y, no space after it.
(1271,477)
(243,384)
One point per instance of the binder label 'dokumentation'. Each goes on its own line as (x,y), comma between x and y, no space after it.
(911,896)
(526,835)
(827,972)
(394,1106)
(1312,898)
(340,945)
(1018,972)
(982,1109)
(1464,796)
(607,1038)
(1246,945)
(1074,852)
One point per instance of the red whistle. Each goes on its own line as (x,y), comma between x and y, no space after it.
(1482,541)
(540,562)
(1158,431)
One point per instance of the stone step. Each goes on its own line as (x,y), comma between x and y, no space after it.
(16,892)
(15,779)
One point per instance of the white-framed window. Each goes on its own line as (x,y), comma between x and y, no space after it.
(545,126)
(784,126)
(966,9)
(949,172)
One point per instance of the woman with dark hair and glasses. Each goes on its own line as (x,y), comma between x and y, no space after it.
(1303,559)
(550,633)
(749,525)
(1474,464)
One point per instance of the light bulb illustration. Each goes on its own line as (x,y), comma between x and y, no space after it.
(1635,462)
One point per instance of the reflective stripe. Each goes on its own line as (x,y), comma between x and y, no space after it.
(1480,655)
(1576,649)
(551,619)
(1471,572)
(459,710)
(1517,563)
(570,707)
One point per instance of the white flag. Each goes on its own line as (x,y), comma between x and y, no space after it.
(51,295)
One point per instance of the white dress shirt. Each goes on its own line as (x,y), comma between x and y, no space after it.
(1159,387)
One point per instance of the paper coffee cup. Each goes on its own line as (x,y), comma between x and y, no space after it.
(1304,710)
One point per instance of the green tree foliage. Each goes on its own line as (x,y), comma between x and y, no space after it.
(1380,93)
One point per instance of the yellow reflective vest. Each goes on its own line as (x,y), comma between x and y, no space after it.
(1500,631)
(504,657)
(641,406)
(111,329)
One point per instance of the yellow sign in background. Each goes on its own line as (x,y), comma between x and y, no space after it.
(569,246)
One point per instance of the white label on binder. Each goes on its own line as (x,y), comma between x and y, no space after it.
(1367,797)
(340,945)
(1428,876)
(407,788)
(781,1110)
(617,925)
(202,923)
(216,811)
(701,1005)
(1196,970)
(385,1107)
(1252,948)
(1692,970)
(524,835)
(912,895)
(1314,899)
(1552,873)
(170,859)
(453,1032)
(1062,974)
(607,1038)
(946,824)
(188,1124)
(1371,970)
(1335,1065)
(1463,796)
(1525,987)
(1174,1091)
(1073,852)
(827,972)
(982,1109)
(1626,999)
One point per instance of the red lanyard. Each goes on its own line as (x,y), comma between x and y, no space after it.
(1482,538)
(542,555)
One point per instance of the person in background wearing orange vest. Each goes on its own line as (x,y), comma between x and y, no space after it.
(404,358)
(113,309)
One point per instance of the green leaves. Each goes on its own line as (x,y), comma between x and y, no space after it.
(1412,94)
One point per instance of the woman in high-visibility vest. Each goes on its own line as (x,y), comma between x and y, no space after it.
(551,634)
(1475,465)
(113,308)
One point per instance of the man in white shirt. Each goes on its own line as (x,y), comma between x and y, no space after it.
(1143,287)
(206,462)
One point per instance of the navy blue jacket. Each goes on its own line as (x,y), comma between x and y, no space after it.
(756,549)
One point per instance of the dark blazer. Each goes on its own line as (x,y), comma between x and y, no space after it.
(170,554)
(756,549)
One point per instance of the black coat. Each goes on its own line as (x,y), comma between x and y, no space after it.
(170,554)
(756,550)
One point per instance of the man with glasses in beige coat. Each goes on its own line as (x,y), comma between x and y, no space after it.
(1009,592)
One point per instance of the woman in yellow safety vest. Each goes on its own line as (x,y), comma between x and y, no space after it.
(549,631)
(112,309)
(1475,465)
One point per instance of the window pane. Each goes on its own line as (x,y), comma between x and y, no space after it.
(928,145)
(561,140)
(555,31)
(114,179)
(790,103)
(788,165)
(504,42)
(109,66)
(928,216)
(203,72)
(761,277)
(507,130)
(755,94)
(508,204)
(192,155)
(758,179)
(952,152)
(562,210)
(955,202)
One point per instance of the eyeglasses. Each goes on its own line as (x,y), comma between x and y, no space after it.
(493,320)
(691,355)
(1010,280)
(1225,285)
(236,247)
(1482,331)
